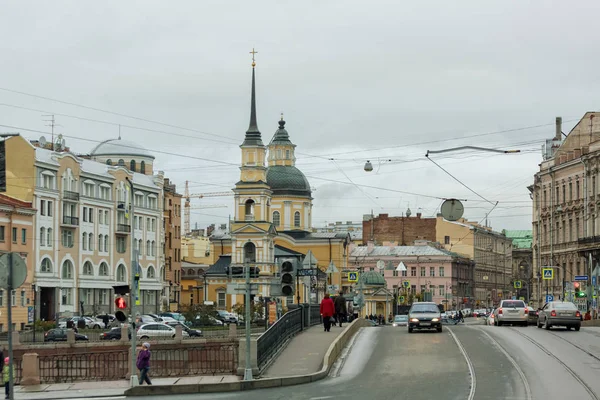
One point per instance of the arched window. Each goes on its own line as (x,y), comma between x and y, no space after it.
(109,162)
(84,241)
(121,273)
(249,252)
(46,265)
(88,269)
(141,248)
(121,163)
(297,219)
(100,242)
(143,167)
(103,269)
(132,165)
(105,242)
(91,242)
(150,274)
(249,209)
(49,237)
(148,251)
(276,218)
(42,236)
(153,248)
(67,270)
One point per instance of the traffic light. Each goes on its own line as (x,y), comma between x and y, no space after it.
(287,270)
(239,272)
(579,292)
(120,305)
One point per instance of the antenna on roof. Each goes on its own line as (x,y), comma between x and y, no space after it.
(119,131)
(52,124)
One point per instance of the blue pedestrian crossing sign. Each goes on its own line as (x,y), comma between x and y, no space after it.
(352,276)
(518,284)
(406,284)
(548,273)
(549,298)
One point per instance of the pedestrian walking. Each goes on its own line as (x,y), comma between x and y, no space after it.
(143,363)
(6,376)
(327,311)
(340,308)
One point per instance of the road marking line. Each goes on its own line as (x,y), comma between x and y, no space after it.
(321,398)
(513,362)
(95,398)
(469,364)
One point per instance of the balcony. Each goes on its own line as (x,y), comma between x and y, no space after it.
(123,228)
(70,221)
(71,196)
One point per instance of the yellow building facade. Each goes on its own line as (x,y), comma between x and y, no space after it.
(272,224)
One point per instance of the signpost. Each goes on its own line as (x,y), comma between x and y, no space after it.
(549,298)
(581,278)
(13,273)
(518,284)
(547,273)
(309,261)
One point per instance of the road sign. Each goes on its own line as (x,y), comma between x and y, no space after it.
(549,298)
(518,284)
(513,297)
(548,273)
(332,269)
(401,299)
(352,276)
(594,281)
(406,284)
(309,260)
(19,270)
(307,272)
(581,278)
(522,298)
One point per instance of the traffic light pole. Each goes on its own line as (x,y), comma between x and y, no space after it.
(248,370)
(132,290)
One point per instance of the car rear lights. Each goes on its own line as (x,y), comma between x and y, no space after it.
(578,314)
(526,311)
(499,311)
(553,313)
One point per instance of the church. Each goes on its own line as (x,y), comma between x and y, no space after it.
(272,224)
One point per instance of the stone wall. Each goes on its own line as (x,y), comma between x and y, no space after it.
(395,229)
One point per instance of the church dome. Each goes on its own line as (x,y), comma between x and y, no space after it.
(287,180)
(119,147)
(373,278)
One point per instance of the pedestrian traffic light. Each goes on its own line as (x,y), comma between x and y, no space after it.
(120,303)
(287,272)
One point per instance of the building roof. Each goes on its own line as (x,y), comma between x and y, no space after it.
(382,251)
(281,251)
(10,201)
(219,268)
(119,147)
(287,180)
(281,135)
(522,239)
(304,235)
(253,137)
(372,278)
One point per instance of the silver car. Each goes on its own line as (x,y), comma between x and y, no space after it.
(513,312)
(558,313)
(400,320)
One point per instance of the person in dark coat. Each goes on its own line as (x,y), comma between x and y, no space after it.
(327,311)
(143,363)
(340,308)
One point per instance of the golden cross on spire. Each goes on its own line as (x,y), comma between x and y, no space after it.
(253,53)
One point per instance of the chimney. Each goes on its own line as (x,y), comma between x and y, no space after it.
(558,135)
(370,246)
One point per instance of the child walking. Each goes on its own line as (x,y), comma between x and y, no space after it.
(143,363)
(6,376)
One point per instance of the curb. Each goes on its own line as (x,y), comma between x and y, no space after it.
(329,359)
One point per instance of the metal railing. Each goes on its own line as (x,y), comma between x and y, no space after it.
(69,195)
(104,366)
(315,314)
(204,359)
(69,220)
(123,228)
(276,336)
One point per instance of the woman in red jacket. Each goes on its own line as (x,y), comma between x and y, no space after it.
(327,311)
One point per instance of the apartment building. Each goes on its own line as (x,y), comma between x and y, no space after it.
(172,244)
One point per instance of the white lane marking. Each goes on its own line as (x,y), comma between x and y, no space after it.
(469,364)
(513,362)
(321,398)
(95,398)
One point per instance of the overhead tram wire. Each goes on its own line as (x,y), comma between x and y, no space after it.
(358,187)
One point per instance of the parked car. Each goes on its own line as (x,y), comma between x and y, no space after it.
(226,317)
(60,335)
(207,320)
(185,328)
(113,334)
(559,313)
(157,330)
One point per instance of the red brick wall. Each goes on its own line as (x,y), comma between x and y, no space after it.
(390,229)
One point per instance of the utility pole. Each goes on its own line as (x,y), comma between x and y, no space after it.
(248,369)
(52,124)
(132,286)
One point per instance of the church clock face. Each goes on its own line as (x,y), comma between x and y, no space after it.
(452,210)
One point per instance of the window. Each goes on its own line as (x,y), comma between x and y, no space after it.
(132,165)
(404,273)
(422,289)
(67,238)
(121,163)
(297,219)
(91,214)
(153,248)
(49,208)
(276,218)
(85,214)
(46,265)
(50,238)
(395,273)
(14,235)
(143,167)
(446,239)
(2,233)
(150,274)
(42,236)
(249,209)
(84,241)
(23,299)
(100,217)
(431,271)
(88,269)
(100,242)
(47,180)
(91,242)
(121,273)
(121,245)
(13,298)
(152,202)
(139,247)
(67,297)
(67,270)
(287,154)
(88,189)
(43,207)
(109,162)
(104,192)
(413,271)
(105,242)
(88,296)
(104,296)
(249,252)
(442,290)
(441,271)
(221,300)
(1,297)
(422,271)
(148,248)
(139,200)
(103,269)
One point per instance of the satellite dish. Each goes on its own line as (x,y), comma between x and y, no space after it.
(43,141)
(380,264)
(452,210)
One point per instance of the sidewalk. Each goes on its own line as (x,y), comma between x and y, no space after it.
(304,353)
(80,390)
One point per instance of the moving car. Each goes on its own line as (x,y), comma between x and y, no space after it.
(185,328)
(558,313)
(514,312)
(113,334)
(424,315)
(60,335)
(533,316)
(400,320)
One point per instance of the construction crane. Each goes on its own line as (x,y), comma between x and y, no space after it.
(187,206)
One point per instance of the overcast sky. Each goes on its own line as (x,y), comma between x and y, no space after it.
(356,80)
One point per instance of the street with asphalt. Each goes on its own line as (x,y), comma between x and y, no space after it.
(463,362)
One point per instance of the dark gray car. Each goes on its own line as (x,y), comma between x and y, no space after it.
(424,315)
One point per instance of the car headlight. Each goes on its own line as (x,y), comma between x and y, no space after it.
(435,320)
(394,324)
(414,320)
